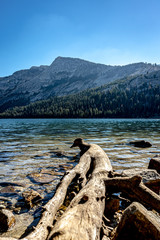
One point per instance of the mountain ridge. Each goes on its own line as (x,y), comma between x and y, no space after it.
(64,76)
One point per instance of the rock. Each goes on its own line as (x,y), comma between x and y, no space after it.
(41,178)
(141,144)
(48,171)
(5,201)
(58,154)
(5,184)
(65,167)
(138,223)
(66,75)
(7,220)
(149,177)
(146,174)
(31,197)
(8,189)
(38,157)
(155,163)
(24,224)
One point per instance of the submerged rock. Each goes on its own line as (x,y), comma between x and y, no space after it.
(31,197)
(41,178)
(65,167)
(23,225)
(141,144)
(7,220)
(5,184)
(58,153)
(8,189)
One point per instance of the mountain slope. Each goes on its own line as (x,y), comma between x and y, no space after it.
(126,98)
(64,76)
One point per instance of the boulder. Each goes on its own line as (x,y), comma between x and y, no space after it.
(141,144)
(138,223)
(7,220)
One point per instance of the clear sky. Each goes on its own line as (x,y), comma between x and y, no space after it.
(114,32)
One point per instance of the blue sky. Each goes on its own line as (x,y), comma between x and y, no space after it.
(114,32)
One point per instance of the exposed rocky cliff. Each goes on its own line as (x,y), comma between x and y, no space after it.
(62,77)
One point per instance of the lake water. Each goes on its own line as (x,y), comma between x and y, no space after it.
(32,146)
(26,145)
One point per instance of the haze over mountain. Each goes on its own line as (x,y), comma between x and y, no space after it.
(64,76)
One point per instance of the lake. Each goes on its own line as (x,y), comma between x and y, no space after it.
(32,148)
(27,144)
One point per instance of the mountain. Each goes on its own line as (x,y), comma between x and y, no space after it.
(131,97)
(64,76)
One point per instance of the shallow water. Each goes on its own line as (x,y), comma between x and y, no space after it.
(28,146)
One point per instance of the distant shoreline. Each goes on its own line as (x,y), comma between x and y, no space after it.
(149,118)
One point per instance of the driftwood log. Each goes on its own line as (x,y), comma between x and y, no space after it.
(155,163)
(83,219)
(138,223)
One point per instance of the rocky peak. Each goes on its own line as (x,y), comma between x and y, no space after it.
(64,76)
(78,67)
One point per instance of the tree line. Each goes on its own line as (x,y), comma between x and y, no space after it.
(114,102)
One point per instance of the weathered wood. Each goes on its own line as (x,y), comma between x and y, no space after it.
(150,178)
(50,209)
(154,185)
(83,220)
(86,209)
(7,238)
(45,224)
(83,217)
(138,223)
(134,189)
(155,164)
